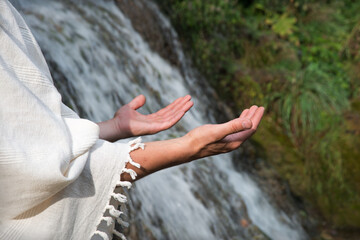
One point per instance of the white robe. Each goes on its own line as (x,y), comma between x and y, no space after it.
(57,178)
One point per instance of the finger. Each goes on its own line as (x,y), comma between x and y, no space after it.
(244,113)
(179,114)
(251,112)
(163,125)
(177,105)
(137,102)
(256,119)
(239,136)
(166,109)
(244,135)
(187,106)
(175,116)
(234,126)
(180,105)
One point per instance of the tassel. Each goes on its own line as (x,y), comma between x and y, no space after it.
(119,197)
(135,164)
(131,172)
(122,222)
(109,220)
(123,208)
(120,235)
(135,144)
(123,184)
(113,212)
(102,234)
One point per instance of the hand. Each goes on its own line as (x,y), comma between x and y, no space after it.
(201,142)
(210,140)
(127,122)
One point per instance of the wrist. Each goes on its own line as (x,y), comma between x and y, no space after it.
(108,130)
(189,146)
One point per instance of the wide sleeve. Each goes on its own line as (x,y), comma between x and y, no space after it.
(57,179)
(40,151)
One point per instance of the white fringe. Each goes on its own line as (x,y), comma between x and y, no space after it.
(119,197)
(135,144)
(120,235)
(122,222)
(102,234)
(109,220)
(131,172)
(124,184)
(114,213)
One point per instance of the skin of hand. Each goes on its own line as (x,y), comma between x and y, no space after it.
(127,122)
(206,140)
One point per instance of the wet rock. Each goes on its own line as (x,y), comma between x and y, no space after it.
(150,27)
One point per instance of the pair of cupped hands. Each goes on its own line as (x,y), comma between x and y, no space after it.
(206,140)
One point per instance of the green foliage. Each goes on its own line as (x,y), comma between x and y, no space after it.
(212,29)
(308,101)
(301,59)
(283,25)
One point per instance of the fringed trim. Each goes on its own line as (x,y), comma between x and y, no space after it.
(135,144)
(109,221)
(124,184)
(113,212)
(102,234)
(121,198)
(122,222)
(131,172)
(120,235)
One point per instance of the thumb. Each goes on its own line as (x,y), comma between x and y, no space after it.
(236,125)
(137,102)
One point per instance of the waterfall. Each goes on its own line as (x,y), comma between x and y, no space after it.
(99,63)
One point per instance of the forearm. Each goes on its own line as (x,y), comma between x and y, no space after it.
(160,155)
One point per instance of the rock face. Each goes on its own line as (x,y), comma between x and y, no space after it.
(147,23)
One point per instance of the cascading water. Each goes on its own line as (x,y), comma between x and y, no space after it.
(99,62)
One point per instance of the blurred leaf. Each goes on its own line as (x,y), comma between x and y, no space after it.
(284,25)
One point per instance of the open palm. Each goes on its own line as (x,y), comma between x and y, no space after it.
(128,122)
(212,139)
